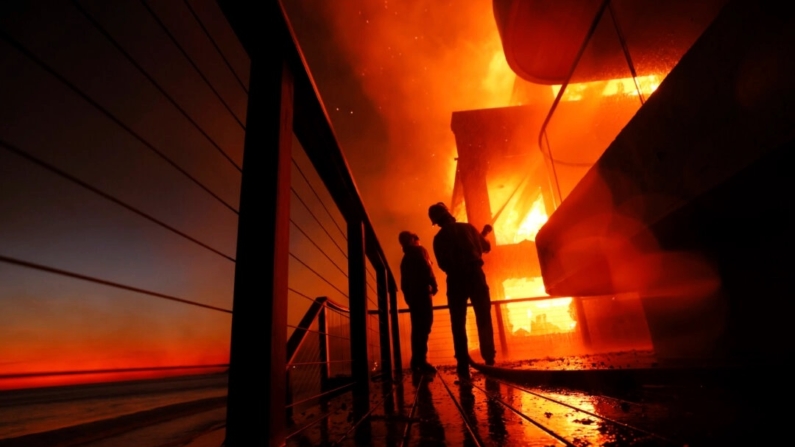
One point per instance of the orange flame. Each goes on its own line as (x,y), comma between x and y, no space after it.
(536,317)
(510,230)
(621,86)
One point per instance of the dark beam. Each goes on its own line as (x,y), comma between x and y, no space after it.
(257,396)
(357,292)
(383,321)
(312,125)
(393,313)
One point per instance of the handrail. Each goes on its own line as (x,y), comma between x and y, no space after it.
(312,125)
(499,302)
(297,112)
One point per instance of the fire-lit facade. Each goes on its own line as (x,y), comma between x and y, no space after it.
(610,195)
(502,180)
(517,165)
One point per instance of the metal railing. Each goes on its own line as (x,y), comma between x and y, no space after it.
(318,363)
(603,324)
(284,104)
(161,206)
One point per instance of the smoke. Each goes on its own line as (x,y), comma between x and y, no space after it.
(391,74)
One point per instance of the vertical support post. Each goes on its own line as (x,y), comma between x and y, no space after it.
(256,401)
(393,313)
(325,368)
(498,310)
(322,328)
(357,296)
(383,320)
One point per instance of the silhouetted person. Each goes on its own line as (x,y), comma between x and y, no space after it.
(459,247)
(418,284)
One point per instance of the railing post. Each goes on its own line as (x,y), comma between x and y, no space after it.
(256,413)
(383,320)
(393,311)
(357,295)
(322,328)
(325,368)
(498,310)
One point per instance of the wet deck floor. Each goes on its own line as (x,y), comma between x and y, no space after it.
(443,409)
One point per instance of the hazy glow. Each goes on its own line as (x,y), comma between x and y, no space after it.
(508,230)
(621,86)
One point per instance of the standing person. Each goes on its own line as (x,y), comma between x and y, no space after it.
(418,284)
(459,248)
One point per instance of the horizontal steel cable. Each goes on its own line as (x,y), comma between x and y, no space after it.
(109,370)
(192,63)
(111,116)
(149,77)
(318,221)
(217,48)
(57,271)
(300,171)
(107,196)
(318,247)
(327,333)
(318,274)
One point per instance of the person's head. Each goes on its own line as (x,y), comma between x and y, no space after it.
(440,215)
(407,238)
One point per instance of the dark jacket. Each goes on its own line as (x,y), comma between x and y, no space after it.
(459,247)
(416,273)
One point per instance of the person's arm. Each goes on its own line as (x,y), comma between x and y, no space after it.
(485,245)
(429,272)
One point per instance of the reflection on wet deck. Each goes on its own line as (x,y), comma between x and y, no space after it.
(443,409)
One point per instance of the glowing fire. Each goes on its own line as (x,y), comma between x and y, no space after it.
(622,86)
(542,317)
(523,288)
(500,78)
(552,316)
(508,231)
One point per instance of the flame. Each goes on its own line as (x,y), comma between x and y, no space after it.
(621,86)
(536,317)
(499,80)
(523,288)
(508,232)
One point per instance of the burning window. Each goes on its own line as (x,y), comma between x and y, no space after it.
(519,224)
(538,317)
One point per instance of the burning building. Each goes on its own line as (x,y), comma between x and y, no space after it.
(665,116)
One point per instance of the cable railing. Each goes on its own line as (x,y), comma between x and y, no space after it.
(128,247)
(154,82)
(95,196)
(117,230)
(318,363)
(324,244)
(541,327)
